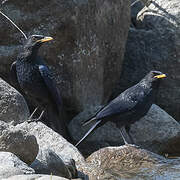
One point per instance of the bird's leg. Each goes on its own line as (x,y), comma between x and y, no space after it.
(30,117)
(127,128)
(39,118)
(126,138)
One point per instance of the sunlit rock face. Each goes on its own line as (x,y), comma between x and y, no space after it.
(89,41)
(130,162)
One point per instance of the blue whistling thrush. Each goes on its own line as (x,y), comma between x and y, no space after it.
(130,106)
(33,77)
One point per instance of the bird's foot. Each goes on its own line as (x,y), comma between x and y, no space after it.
(32,120)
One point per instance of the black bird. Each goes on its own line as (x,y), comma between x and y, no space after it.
(129,106)
(33,77)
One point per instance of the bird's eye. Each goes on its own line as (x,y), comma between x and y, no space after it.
(34,39)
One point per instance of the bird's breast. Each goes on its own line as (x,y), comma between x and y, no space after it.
(30,79)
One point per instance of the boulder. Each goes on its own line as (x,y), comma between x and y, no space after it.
(36,177)
(11,165)
(157,131)
(131,162)
(13,108)
(51,144)
(88,47)
(18,142)
(52,163)
(154,44)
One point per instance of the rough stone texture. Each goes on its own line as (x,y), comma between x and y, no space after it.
(52,163)
(13,108)
(11,165)
(131,162)
(18,142)
(48,139)
(155,44)
(88,47)
(35,177)
(157,132)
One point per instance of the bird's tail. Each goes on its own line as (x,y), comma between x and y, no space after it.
(89,121)
(90,131)
(56,120)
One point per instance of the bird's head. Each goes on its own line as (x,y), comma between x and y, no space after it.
(153,77)
(35,41)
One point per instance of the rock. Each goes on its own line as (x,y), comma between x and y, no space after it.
(131,162)
(88,48)
(155,44)
(50,141)
(36,177)
(18,142)
(11,165)
(13,108)
(52,163)
(157,132)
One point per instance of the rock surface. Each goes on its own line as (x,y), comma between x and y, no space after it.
(13,108)
(88,47)
(18,142)
(52,163)
(131,162)
(155,44)
(50,141)
(157,132)
(35,177)
(11,165)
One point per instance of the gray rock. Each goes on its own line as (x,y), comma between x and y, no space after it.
(131,162)
(48,139)
(88,47)
(157,132)
(155,44)
(35,177)
(52,163)
(13,108)
(11,165)
(18,142)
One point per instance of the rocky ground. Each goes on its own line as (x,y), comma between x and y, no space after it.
(87,58)
(34,151)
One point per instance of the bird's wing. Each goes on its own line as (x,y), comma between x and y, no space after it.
(13,76)
(124,103)
(47,77)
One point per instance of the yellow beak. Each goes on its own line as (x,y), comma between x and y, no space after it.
(45,39)
(160,76)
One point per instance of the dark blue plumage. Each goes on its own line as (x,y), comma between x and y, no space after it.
(129,106)
(35,80)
